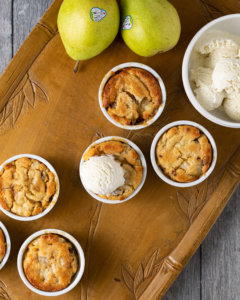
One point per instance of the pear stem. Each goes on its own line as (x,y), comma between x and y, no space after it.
(76,66)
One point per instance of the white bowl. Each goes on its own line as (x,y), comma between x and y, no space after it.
(158,169)
(55,197)
(8,245)
(78,275)
(230,24)
(140,66)
(143,161)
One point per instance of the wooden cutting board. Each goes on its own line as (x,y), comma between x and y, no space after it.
(134,250)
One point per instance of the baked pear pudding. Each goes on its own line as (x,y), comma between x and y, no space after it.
(111,169)
(50,262)
(184,153)
(27,187)
(132,96)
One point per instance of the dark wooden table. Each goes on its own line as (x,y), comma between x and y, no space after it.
(214,271)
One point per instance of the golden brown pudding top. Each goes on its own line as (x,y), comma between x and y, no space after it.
(2,245)
(132,96)
(129,160)
(27,187)
(50,262)
(184,153)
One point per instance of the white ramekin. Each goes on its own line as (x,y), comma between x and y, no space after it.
(136,65)
(142,158)
(55,197)
(230,24)
(8,245)
(158,170)
(78,248)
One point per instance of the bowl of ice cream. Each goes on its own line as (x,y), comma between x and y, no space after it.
(211,71)
(113,170)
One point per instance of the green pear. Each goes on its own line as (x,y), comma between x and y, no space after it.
(149,27)
(87,27)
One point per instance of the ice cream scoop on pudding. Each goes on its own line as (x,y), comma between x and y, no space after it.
(111,169)
(102,174)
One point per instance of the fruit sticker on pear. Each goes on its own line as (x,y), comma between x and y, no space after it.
(127,23)
(97,14)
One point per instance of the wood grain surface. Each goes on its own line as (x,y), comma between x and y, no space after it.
(213,272)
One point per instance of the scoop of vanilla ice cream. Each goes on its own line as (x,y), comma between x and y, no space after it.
(102,174)
(219,54)
(226,76)
(208,97)
(218,45)
(216,39)
(206,94)
(201,76)
(231,106)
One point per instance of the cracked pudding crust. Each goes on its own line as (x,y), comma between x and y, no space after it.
(129,160)
(50,262)
(27,187)
(132,96)
(2,245)
(184,153)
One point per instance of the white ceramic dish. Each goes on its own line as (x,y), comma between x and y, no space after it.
(8,245)
(136,65)
(78,275)
(143,161)
(158,169)
(230,24)
(55,197)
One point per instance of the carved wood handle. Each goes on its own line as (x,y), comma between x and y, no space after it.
(28,53)
(174,263)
